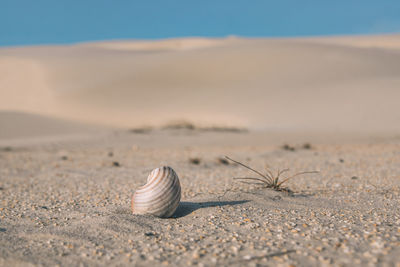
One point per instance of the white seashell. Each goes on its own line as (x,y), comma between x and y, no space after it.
(161,194)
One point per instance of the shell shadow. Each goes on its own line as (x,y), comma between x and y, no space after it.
(186,208)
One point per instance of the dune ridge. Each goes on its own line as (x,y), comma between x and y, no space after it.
(173,44)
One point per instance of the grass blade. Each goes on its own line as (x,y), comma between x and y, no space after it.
(247,167)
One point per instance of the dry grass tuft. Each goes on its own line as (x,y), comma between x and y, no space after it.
(269,180)
(288,147)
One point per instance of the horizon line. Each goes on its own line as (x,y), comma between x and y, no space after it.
(229,36)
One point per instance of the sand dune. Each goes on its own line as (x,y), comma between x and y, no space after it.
(317,84)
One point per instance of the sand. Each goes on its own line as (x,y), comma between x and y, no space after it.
(330,84)
(86,124)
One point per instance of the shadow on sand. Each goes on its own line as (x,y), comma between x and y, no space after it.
(185,208)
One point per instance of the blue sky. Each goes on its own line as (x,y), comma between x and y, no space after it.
(26,22)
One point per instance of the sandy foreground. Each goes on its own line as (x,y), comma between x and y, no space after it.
(68,203)
(82,126)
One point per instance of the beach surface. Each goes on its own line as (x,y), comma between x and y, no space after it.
(82,126)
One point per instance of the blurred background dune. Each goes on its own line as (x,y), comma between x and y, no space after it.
(345,84)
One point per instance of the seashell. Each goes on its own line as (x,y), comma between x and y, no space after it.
(161,194)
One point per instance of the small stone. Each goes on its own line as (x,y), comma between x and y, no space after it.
(307,146)
(149,234)
(235,249)
(195,161)
(223,161)
(196,255)
(116,164)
